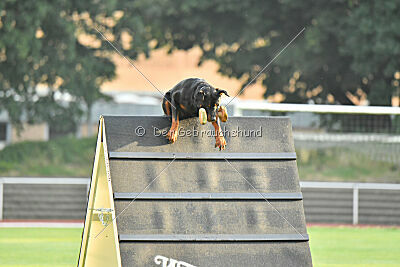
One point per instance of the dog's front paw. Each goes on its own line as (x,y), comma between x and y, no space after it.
(172,135)
(220,142)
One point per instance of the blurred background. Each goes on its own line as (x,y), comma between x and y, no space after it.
(58,75)
(338,80)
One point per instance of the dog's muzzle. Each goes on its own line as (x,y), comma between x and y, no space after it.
(212,117)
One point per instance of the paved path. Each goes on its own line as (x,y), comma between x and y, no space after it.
(41,224)
(79,224)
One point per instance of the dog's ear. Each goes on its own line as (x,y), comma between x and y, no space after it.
(220,92)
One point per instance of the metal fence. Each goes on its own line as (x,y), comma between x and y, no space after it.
(366,203)
(43,198)
(324,202)
(369,131)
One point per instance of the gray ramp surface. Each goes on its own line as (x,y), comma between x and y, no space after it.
(197,205)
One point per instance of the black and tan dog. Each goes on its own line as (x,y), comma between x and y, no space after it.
(190,98)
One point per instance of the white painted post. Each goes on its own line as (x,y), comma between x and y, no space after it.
(355,203)
(8,133)
(1,199)
(88,188)
(46,132)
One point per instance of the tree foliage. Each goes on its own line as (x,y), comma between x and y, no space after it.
(349,46)
(43,45)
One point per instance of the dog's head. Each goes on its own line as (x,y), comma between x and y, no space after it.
(208,97)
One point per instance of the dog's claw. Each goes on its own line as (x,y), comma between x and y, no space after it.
(220,143)
(172,135)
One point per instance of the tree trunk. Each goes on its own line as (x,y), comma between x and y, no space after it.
(88,122)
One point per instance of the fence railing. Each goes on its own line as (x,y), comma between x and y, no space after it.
(262,105)
(38,181)
(326,118)
(354,187)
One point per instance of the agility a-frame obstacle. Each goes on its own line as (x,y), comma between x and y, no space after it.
(188,204)
(100,249)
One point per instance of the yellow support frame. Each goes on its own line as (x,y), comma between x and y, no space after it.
(100,246)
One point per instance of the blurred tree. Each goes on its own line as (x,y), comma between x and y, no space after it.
(350,48)
(50,64)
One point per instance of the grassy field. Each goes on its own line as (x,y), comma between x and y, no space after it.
(64,157)
(73,157)
(343,164)
(349,246)
(330,246)
(39,246)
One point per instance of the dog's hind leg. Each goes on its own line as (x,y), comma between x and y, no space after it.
(166,105)
(173,132)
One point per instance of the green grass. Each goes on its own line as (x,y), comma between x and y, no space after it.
(330,246)
(341,164)
(67,157)
(39,246)
(348,246)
